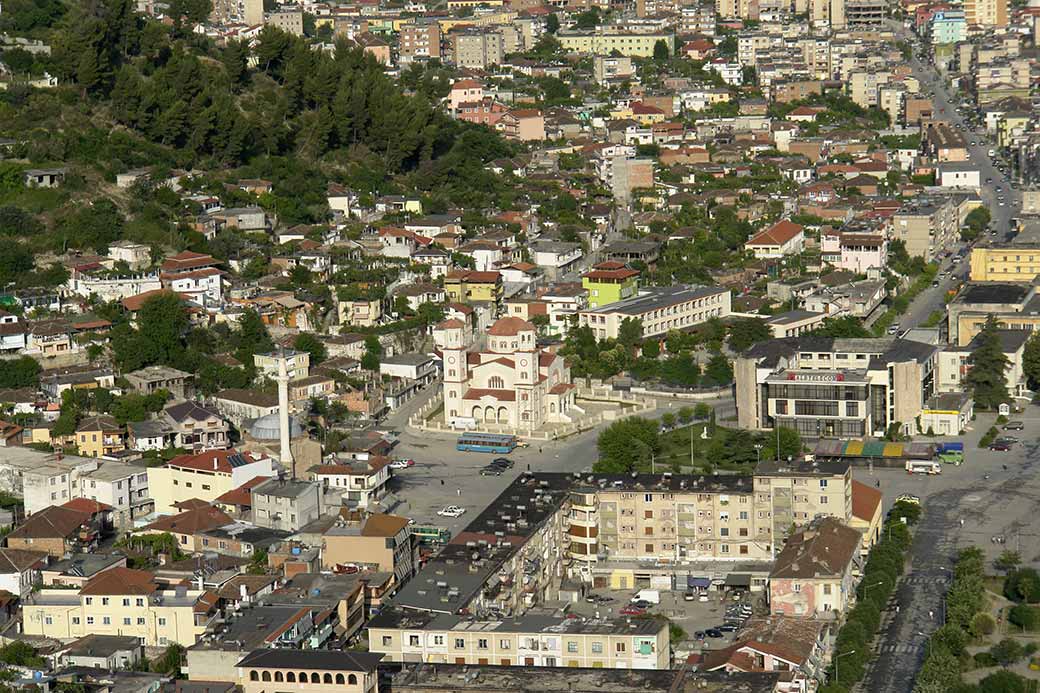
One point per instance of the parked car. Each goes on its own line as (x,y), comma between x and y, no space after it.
(727,628)
(491,470)
(689,596)
(1006,439)
(1014,426)
(642,604)
(908,498)
(451,511)
(713,633)
(402,463)
(1000,447)
(503,462)
(632,611)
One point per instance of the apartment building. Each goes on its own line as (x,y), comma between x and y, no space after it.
(1015,306)
(986,13)
(286,504)
(204,476)
(864,84)
(309,671)
(928,227)
(477,49)
(607,40)
(526,641)
(1014,262)
(835,388)
(375,540)
(122,602)
(123,487)
(609,282)
(659,309)
(419,41)
(297,363)
(360,482)
(609,68)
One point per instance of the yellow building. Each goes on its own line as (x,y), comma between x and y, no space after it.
(605,43)
(120,601)
(1005,263)
(205,476)
(309,671)
(1010,125)
(467,286)
(97,436)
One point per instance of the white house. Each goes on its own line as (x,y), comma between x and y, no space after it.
(122,486)
(782,238)
(958,174)
(555,256)
(20,570)
(12,333)
(361,482)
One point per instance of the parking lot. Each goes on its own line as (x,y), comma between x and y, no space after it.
(694,617)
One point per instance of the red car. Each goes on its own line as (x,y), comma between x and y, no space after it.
(632,611)
(1000,447)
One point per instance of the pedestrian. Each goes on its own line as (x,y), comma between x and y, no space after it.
(458,491)
(877,482)
(539,449)
(528,466)
(442,482)
(962,522)
(931,615)
(897,608)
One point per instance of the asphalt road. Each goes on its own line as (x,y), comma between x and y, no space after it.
(991,501)
(954,271)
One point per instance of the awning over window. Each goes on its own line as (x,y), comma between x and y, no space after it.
(738,580)
(699,582)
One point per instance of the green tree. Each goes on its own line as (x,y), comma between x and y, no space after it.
(719,371)
(1023,585)
(650,349)
(21,654)
(630,331)
(846,327)
(370,361)
(668,419)
(306,341)
(430,313)
(661,51)
(1008,560)
(163,321)
(790,444)
(20,372)
(987,378)
(686,414)
(702,410)
(1007,651)
(251,337)
(744,332)
(1031,360)
(170,662)
(552,23)
(626,443)
(976,221)
(1004,681)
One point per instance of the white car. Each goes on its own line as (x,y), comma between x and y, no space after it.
(451,511)
(402,463)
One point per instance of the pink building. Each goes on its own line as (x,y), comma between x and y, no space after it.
(486,111)
(465,91)
(863,251)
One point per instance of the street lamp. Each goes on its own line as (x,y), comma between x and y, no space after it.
(837,657)
(758,452)
(866,588)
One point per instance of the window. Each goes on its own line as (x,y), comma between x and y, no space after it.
(649,548)
(48,620)
(140,621)
(823,483)
(460,644)
(826,589)
(127,621)
(140,602)
(597,648)
(75,620)
(823,500)
(162,621)
(797,588)
(482,644)
(503,644)
(162,640)
(572,646)
(413,640)
(619,647)
(106,621)
(104,601)
(90,620)
(126,602)
(387,640)
(90,600)
(649,498)
(205,487)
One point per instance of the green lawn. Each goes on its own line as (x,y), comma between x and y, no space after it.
(728,450)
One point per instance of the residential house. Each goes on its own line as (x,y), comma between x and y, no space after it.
(20,570)
(196,427)
(361,482)
(205,476)
(297,363)
(866,514)
(98,436)
(57,531)
(781,239)
(812,576)
(377,541)
(239,405)
(154,378)
(473,286)
(797,647)
(121,487)
(608,282)
(286,504)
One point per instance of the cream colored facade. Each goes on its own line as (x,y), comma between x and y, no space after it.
(986,12)
(529,642)
(1004,264)
(659,310)
(175,483)
(159,619)
(605,43)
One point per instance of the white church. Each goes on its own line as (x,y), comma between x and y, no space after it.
(514,383)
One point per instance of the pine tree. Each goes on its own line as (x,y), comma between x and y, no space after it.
(987,379)
(236,63)
(1031,360)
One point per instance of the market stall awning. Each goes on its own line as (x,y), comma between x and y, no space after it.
(738,580)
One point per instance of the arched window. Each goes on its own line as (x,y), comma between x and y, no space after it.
(266,676)
(352,679)
(278,676)
(303,677)
(254,676)
(315,678)
(552,406)
(339,679)
(327,678)
(291,677)
(495,382)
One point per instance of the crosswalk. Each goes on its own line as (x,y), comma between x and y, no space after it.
(916,579)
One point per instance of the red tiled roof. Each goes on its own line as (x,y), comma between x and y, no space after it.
(243,494)
(134,303)
(117,581)
(500,395)
(212,461)
(85,505)
(865,500)
(192,521)
(779,233)
(506,327)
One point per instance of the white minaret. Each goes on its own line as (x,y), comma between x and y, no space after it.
(285,456)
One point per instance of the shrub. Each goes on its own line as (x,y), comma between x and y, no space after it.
(1023,616)
(988,437)
(984,659)
(983,624)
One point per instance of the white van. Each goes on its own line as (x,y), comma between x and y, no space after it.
(923,467)
(652,596)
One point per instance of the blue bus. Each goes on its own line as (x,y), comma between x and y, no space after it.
(486,442)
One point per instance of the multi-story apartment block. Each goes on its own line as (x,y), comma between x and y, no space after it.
(844,388)
(927,226)
(124,487)
(659,310)
(863,86)
(1015,262)
(534,641)
(608,68)
(1015,306)
(419,41)
(120,601)
(297,363)
(986,13)
(478,49)
(607,40)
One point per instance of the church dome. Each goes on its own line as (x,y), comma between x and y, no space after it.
(508,327)
(268,428)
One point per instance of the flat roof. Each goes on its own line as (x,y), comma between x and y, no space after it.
(653,298)
(995,293)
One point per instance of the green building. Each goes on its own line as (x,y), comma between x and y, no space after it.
(609,282)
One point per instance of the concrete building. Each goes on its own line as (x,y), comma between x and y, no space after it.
(287,505)
(419,41)
(309,671)
(361,483)
(239,406)
(927,227)
(123,487)
(609,68)
(477,49)
(659,310)
(373,541)
(154,378)
(609,282)
(608,40)
(986,13)
(781,239)
(204,476)
(20,570)
(1015,307)
(954,364)
(289,21)
(532,641)
(123,602)
(835,388)
(1014,262)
